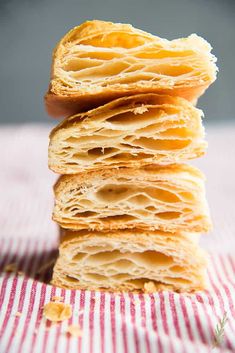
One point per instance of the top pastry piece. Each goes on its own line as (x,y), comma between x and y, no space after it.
(99,61)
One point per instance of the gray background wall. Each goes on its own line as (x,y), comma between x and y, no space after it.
(30,29)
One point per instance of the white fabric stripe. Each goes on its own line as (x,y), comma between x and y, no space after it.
(96,324)
(151,333)
(129,326)
(38,345)
(118,316)
(107,325)
(85,337)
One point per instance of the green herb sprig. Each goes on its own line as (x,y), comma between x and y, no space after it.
(219,330)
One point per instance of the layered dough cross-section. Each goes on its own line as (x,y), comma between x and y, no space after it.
(170,198)
(130,131)
(100,61)
(130,261)
(130,210)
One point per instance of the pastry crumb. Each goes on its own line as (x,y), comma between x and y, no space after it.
(57,298)
(149,287)
(10,267)
(74,330)
(140,110)
(56,311)
(18,313)
(20,273)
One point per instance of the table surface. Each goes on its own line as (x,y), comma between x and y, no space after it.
(163,322)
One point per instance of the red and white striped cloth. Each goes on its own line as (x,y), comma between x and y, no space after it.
(110,323)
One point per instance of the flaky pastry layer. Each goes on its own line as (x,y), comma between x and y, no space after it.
(99,61)
(130,261)
(130,131)
(170,198)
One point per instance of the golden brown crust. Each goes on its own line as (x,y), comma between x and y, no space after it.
(100,61)
(149,173)
(63,106)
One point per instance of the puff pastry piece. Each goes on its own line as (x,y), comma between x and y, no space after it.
(130,261)
(99,61)
(168,198)
(129,131)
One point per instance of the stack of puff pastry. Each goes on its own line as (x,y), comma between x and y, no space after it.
(130,210)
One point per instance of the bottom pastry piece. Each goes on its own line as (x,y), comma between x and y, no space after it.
(133,260)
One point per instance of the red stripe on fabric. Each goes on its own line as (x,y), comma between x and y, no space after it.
(48,325)
(35,264)
(113,321)
(29,314)
(187,320)
(163,312)
(41,305)
(164,318)
(174,314)
(91,321)
(186,317)
(81,317)
(42,302)
(232,262)
(3,289)
(58,327)
(133,321)
(102,323)
(39,315)
(154,322)
(124,333)
(68,338)
(198,321)
(10,305)
(175,317)
(143,321)
(200,299)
